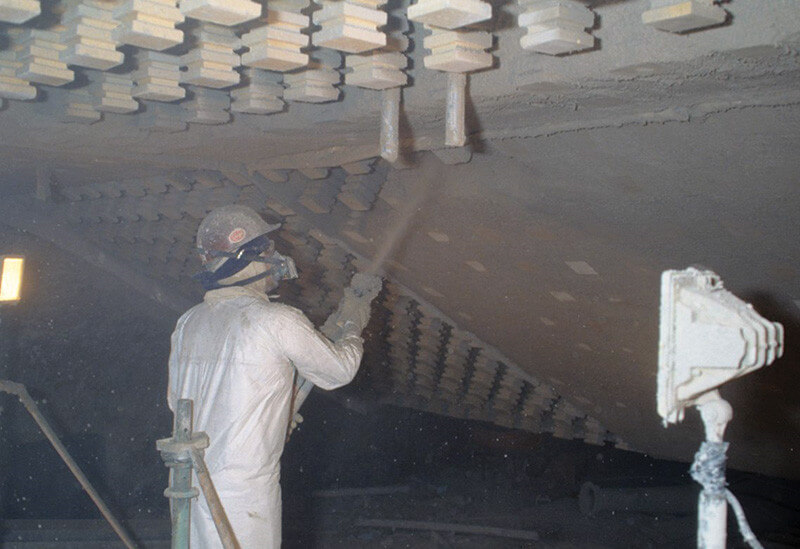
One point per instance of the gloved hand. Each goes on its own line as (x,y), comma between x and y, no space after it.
(366,286)
(355,305)
(353,312)
(354,308)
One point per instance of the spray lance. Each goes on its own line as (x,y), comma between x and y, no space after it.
(364,287)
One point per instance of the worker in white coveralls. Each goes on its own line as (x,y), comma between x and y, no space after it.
(240,358)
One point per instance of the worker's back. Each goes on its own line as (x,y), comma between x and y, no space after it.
(226,360)
(234,355)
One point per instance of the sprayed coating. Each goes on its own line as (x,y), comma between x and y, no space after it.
(390,124)
(456,132)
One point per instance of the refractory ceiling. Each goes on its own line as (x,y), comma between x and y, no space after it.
(421,358)
(523,267)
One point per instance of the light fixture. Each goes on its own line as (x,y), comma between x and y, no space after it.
(708,337)
(11,278)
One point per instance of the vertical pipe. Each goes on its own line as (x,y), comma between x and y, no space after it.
(456,133)
(181,477)
(712,520)
(390,124)
(22,393)
(708,469)
(223,525)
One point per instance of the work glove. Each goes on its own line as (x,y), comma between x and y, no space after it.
(353,312)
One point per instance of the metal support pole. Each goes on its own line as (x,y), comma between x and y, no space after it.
(180,453)
(708,469)
(390,124)
(22,393)
(712,518)
(180,490)
(456,133)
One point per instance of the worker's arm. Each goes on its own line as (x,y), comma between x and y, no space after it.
(334,359)
(324,363)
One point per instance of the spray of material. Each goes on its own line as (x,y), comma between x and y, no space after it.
(388,247)
(399,229)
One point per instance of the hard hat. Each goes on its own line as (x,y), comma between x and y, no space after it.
(232,237)
(226,229)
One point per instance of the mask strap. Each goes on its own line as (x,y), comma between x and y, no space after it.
(278,266)
(255,247)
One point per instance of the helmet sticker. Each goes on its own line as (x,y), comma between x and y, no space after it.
(237,235)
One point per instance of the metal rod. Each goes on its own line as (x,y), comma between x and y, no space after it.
(224,528)
(390,124)
(368,491)
(304,388)
(456,133)
(21,392)
(744,526)
(181,478)
(659,499)
(708,470)
(449,527)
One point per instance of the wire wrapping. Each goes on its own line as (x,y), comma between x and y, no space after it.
(708,470)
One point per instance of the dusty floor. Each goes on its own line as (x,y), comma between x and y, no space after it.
(458,472)
(558,523)
(470,473)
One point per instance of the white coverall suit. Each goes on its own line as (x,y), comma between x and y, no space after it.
(234,355)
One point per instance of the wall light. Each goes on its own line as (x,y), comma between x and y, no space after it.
(11,278)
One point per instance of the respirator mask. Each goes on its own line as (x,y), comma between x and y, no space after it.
(260,250)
